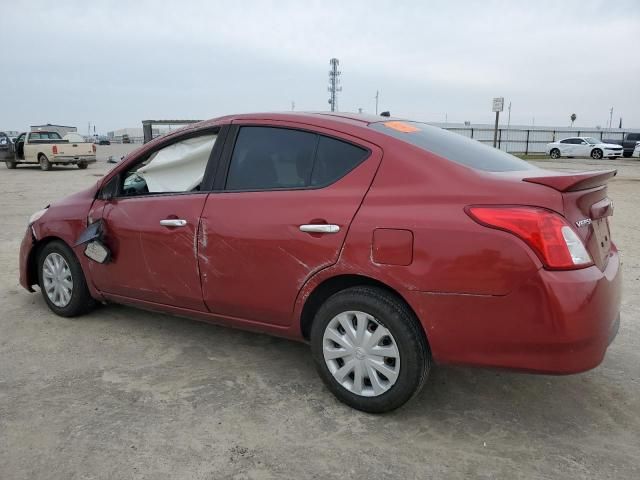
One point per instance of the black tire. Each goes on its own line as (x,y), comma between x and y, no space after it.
(81,301)
(555,153)
(10,164)
(45,164)
(82,165)
(627,154)
(394,315)
(596,154)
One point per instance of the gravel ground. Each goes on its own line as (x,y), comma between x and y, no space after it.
(123,393)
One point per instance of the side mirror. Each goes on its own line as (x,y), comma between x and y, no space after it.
(110,190)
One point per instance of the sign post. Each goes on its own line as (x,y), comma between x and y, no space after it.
(498,106)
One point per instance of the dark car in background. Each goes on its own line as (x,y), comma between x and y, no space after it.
(628,143)
(5,146)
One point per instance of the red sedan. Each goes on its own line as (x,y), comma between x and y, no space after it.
(388,245)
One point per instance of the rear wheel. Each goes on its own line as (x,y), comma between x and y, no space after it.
(10,164)
(369,349)
(596,154)
(555,153)
(62,281)
(82,165)
(45,164)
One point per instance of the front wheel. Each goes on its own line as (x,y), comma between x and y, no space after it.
(10,164)
(369,349)
(82,165)
(45,164)
(62,281)
(596,154)
(555,153)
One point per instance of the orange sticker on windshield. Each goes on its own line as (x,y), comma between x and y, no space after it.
(401,127)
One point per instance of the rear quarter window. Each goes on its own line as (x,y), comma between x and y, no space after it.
(334,159)
(453,147)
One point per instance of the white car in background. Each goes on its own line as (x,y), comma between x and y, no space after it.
(636,151)
(583,147)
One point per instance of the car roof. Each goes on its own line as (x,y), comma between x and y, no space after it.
(312,118)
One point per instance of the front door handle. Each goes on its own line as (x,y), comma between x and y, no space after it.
(319,228)
(173,222)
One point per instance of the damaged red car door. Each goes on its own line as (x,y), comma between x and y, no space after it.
(151,227)
(282,214)
(152,250)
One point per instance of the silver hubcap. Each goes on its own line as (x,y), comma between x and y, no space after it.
(361,354)
(57,279)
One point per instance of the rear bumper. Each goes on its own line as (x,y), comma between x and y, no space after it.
(72,160)
(556,322)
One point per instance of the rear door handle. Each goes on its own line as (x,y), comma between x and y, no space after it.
(319,228)
(173,222)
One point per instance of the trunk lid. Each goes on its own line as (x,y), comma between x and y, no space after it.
(586,207)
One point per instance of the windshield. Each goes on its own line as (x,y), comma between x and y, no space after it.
(591,140)
(452,146)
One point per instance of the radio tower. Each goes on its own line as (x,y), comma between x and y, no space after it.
(334,83)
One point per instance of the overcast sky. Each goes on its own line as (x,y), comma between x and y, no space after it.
(116,63)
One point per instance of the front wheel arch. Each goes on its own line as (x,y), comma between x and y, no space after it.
(32,260)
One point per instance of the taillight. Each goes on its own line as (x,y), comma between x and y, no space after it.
(547,233)
(54,149)
(93,147)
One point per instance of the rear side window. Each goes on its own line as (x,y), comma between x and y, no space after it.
(634,136)
(452,146)
(272,158)
(334,159)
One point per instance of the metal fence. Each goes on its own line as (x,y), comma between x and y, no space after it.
(532,140)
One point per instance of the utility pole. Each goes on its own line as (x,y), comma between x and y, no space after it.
(377,96)
(334,83)
(610,117)
(293,106)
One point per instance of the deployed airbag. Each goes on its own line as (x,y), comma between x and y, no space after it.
(178,167)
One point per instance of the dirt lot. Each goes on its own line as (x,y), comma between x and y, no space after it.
(123,393)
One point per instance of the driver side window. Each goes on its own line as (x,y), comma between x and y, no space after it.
(176,168)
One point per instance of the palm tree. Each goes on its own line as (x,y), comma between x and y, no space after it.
(573,118)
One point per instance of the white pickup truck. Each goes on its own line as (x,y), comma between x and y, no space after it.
(49,148)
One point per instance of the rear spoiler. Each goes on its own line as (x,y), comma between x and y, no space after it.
(571,182)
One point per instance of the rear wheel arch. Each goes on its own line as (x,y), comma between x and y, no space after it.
(338,283)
